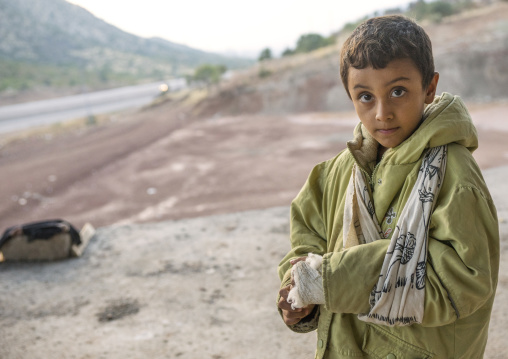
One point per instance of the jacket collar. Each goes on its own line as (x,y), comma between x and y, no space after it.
(446,120)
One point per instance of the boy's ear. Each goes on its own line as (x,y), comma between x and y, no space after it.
(431,89)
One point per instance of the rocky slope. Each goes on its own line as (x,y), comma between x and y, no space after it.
(470,52)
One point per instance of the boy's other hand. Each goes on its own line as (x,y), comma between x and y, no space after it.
(296,260)
(292,316)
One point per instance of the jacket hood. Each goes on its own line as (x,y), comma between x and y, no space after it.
(446,120)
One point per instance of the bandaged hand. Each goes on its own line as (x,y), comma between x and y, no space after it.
(292,316)
(308,282)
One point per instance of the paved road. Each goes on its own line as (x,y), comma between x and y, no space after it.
(26,115)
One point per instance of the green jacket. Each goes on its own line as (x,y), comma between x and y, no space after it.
(463,251)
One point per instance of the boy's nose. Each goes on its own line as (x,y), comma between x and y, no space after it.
(383,111)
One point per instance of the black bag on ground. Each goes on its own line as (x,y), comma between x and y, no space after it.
(45,240)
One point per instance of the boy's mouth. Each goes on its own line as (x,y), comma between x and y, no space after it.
(387,131)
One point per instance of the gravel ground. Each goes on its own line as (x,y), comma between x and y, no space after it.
(191,288)
(192,221)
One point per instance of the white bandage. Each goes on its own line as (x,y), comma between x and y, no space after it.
(308,288)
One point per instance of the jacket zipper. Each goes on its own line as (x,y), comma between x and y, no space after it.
(369,177)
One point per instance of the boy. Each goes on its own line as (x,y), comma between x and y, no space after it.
(402,218)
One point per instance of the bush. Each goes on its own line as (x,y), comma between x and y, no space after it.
(441,8)
(208,74)
(434,11)
(393,11)
(308,43)
(289,52)
(311,42)
(350,26)
(264,73)
(266,54)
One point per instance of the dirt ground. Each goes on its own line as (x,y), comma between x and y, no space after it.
(178,269)
(157,165)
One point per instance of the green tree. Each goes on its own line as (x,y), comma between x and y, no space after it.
(350,26)
(441,8)
(266,54)
(311,42)
(287,52)
(393,11)
(105,73)
(209,74)
(418,9)
(434,10)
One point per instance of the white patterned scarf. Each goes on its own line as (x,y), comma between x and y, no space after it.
(399,294)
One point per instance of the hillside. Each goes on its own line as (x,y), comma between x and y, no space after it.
(470,51)
(53,43)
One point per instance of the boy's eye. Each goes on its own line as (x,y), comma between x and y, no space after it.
(365,97)
(398,92)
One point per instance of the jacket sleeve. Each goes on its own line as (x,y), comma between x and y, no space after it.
(350,275)
(463,255)
(307,234)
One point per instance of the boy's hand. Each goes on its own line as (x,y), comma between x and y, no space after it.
(296,260)
(292,316)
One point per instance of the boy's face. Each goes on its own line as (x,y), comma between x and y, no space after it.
(390,101)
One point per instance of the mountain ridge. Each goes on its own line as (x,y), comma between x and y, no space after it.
(57,33)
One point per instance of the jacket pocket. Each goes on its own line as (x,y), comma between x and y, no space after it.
(384,345)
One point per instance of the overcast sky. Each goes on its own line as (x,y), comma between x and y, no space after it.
(233,26)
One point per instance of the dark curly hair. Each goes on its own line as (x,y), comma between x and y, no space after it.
(379,40)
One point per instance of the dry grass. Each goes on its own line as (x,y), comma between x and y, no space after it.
(56,129)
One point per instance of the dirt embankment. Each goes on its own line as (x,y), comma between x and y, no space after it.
(470,53)
(154,165)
